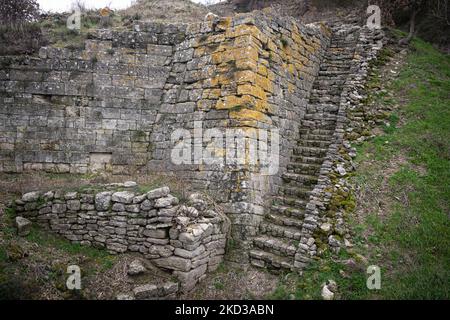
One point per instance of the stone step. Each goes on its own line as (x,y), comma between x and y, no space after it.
(304,166)
(292,189)
(310,152)
(280,231)
(318,123)
(327,91)
(321,115)
(285,200)
(284,221)
(307,159)
(332,99)
(287,211)
(316,137)
(262,259)
(302,178)
(326,132)
(323,109)
(339,63)
(333,73)
(314,143)
(331,77)
(327,82)
(275,245)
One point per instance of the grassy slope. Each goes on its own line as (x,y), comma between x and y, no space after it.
(404,177)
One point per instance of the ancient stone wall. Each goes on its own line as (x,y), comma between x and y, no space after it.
(245,73)
(115,104)
(186,239)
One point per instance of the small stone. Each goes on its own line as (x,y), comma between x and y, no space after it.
(170,288)
(187,237)
(59,208)
(118,207)
(136,267)
(166,202)
(326,227)
(146,291)
(332,286)
(326,293)
(103,201)
(123,197)
(30,196)
(173,263)
(155,233)
(23,226)
(333,241)
(124,296)
(146,205)
(73,205)
(70,196)
(139,199)
(188,212)
(347,243)
(182,221)
(341,170)
(197,201)
(49,195)
(158,193)
(130,184)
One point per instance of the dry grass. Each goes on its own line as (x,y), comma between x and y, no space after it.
(183,11)
(231,282)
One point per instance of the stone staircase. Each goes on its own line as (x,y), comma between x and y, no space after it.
(281,230)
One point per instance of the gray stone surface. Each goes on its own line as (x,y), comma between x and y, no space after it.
(136,267)
(23,226)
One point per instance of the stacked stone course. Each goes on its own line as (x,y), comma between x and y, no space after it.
(188,240)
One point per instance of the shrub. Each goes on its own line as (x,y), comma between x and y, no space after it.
(17,12)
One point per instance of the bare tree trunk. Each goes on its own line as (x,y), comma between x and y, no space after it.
(412,28)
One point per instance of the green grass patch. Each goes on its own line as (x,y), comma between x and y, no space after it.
(101,259)
(415,233)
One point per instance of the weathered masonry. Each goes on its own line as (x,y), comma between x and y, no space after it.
(114,105)
(188,240)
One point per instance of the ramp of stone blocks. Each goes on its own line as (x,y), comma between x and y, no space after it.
(282,230)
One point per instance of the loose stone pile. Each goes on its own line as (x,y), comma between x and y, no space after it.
(187,239)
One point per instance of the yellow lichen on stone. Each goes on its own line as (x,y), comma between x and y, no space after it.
(211,94)
(291,87)
(245,64)
(231,102)
(247,114)
(224,23)
(245,76)
(249,52)
(244,30)
(262,70)
(221,57)
(252,90)
(264,83)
